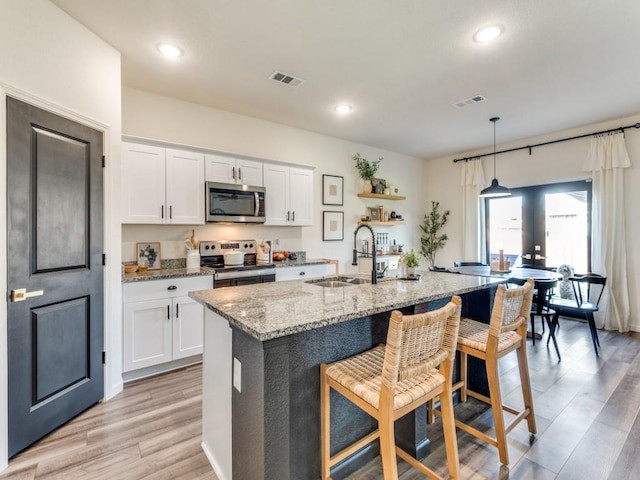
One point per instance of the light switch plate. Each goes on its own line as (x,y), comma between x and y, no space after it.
(237,374)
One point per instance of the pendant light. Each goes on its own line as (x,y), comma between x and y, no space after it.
(495,189)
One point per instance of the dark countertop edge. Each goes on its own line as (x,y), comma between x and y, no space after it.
(338,319)
(165,274)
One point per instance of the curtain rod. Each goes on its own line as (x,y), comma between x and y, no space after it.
(621,129)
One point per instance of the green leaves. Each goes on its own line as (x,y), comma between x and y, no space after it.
(432,240)
(366,168)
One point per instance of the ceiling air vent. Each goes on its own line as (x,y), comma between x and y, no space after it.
(469,101)
(287,79)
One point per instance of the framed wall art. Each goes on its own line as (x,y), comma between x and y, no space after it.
(332,190)
(148,252)
(374,213)
(332,226)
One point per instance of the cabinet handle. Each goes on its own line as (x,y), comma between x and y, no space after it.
(233,172)
(302,273)
(168,312)
(239,174)
(293,216)
(162,212)
(172,287)
(177,310)
(288,216)
(170,212)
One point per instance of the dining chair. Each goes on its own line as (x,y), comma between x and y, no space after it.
(587,290)
(506,332)
(387,382)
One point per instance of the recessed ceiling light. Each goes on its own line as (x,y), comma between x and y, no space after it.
(169,50)
(344,108)
(487,34)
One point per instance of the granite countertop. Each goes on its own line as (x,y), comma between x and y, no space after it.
(271,310)
(300,262)
(165,273)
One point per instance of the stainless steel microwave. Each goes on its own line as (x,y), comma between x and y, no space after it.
(226,202)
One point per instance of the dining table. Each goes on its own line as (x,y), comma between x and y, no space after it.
(543,279)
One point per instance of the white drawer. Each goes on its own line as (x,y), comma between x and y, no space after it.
(154,289)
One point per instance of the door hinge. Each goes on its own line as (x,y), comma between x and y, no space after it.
(104,358)
(104,259)
(104,161)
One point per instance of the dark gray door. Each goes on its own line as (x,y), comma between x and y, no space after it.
(54,259)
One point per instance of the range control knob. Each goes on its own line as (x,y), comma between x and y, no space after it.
(206,247)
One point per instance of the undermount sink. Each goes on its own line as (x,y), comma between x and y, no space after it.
(337,282)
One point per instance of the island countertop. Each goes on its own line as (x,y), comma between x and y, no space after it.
(271,310)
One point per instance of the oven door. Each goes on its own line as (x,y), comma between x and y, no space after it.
(234,203)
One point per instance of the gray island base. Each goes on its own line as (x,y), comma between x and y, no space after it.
(261,377)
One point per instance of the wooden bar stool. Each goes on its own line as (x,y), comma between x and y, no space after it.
(506,332)
(389,382)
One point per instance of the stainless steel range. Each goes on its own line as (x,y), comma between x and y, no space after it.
(234,263)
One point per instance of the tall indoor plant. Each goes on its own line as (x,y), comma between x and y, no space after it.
(367,170)
(432,240)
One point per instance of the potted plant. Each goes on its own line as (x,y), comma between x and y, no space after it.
(367,170)
(411,259)
(432,240)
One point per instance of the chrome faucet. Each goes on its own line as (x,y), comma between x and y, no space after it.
(374,275)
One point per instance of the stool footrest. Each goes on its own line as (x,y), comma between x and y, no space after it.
(353,448)
(417,465)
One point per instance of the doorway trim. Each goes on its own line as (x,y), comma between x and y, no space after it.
(112,323)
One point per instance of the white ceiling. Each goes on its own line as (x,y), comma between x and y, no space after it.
(402,64)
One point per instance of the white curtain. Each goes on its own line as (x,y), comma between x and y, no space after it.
(606,161)
(472,181)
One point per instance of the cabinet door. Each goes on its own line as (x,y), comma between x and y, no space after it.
(143,183)
(301,206)
(249,172)
(220,169)
(187,327)
(185,187)
(147,334)
(276,184)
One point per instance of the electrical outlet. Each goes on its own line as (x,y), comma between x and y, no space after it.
(237,374)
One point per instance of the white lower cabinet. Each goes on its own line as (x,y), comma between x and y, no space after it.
(161,322)
(304,272)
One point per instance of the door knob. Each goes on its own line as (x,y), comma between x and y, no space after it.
(540,257)
(21,294)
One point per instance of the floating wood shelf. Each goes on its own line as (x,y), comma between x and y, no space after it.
(386,224)
(380,195)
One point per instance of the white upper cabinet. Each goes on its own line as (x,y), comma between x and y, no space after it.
(162,185)
(219,168)
(185,187)
(289,195)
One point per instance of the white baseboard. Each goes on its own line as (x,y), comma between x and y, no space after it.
(212,462)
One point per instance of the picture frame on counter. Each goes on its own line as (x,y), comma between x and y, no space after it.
(148,253)
(332,190)
(332,226)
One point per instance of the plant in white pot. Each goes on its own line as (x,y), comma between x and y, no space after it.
(432,240)
(411,259)
(367,170)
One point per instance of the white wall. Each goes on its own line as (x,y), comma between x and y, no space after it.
(152,116)
(548,164)
(49,58)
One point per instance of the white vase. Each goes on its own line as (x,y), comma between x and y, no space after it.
(367,187)
(411,271)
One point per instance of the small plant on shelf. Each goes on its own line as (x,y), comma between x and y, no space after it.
(432,240)
(367,170)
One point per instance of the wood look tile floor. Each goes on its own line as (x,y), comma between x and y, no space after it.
(586,410)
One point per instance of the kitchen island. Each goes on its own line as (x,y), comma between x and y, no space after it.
(263,347)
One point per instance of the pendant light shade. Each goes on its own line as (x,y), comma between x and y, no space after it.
(495,189)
